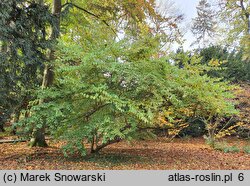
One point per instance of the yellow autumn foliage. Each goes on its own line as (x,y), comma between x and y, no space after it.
(229,131)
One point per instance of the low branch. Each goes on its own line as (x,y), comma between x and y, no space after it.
(109,142)
(117,138)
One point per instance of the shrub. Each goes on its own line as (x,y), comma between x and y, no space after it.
(104,96)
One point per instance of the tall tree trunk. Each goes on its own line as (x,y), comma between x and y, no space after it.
(1,123)
(248,29)
(38,134)
(3,49)
(15,119)
(247,19)
(246,14)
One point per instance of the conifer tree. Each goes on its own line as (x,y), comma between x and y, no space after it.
(204,25)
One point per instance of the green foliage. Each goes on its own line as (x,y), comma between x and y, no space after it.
(213,63)
(246,149)
(106,91)
(105,95)
(237,69)
(190,61)
(224,147)
(235,14)
(232,149)
(99,97)
(227,65)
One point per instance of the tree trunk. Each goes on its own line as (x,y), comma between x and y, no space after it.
(248,29)
(38,138)
(15,119)
(92,147)
(1,126)
(3,49)
(246,15)
(38,134)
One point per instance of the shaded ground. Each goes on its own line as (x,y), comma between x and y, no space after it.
(158,154)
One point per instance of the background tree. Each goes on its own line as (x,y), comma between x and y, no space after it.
(205,24)
(229,65)
(235,15)
(24,42)
(38,134)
